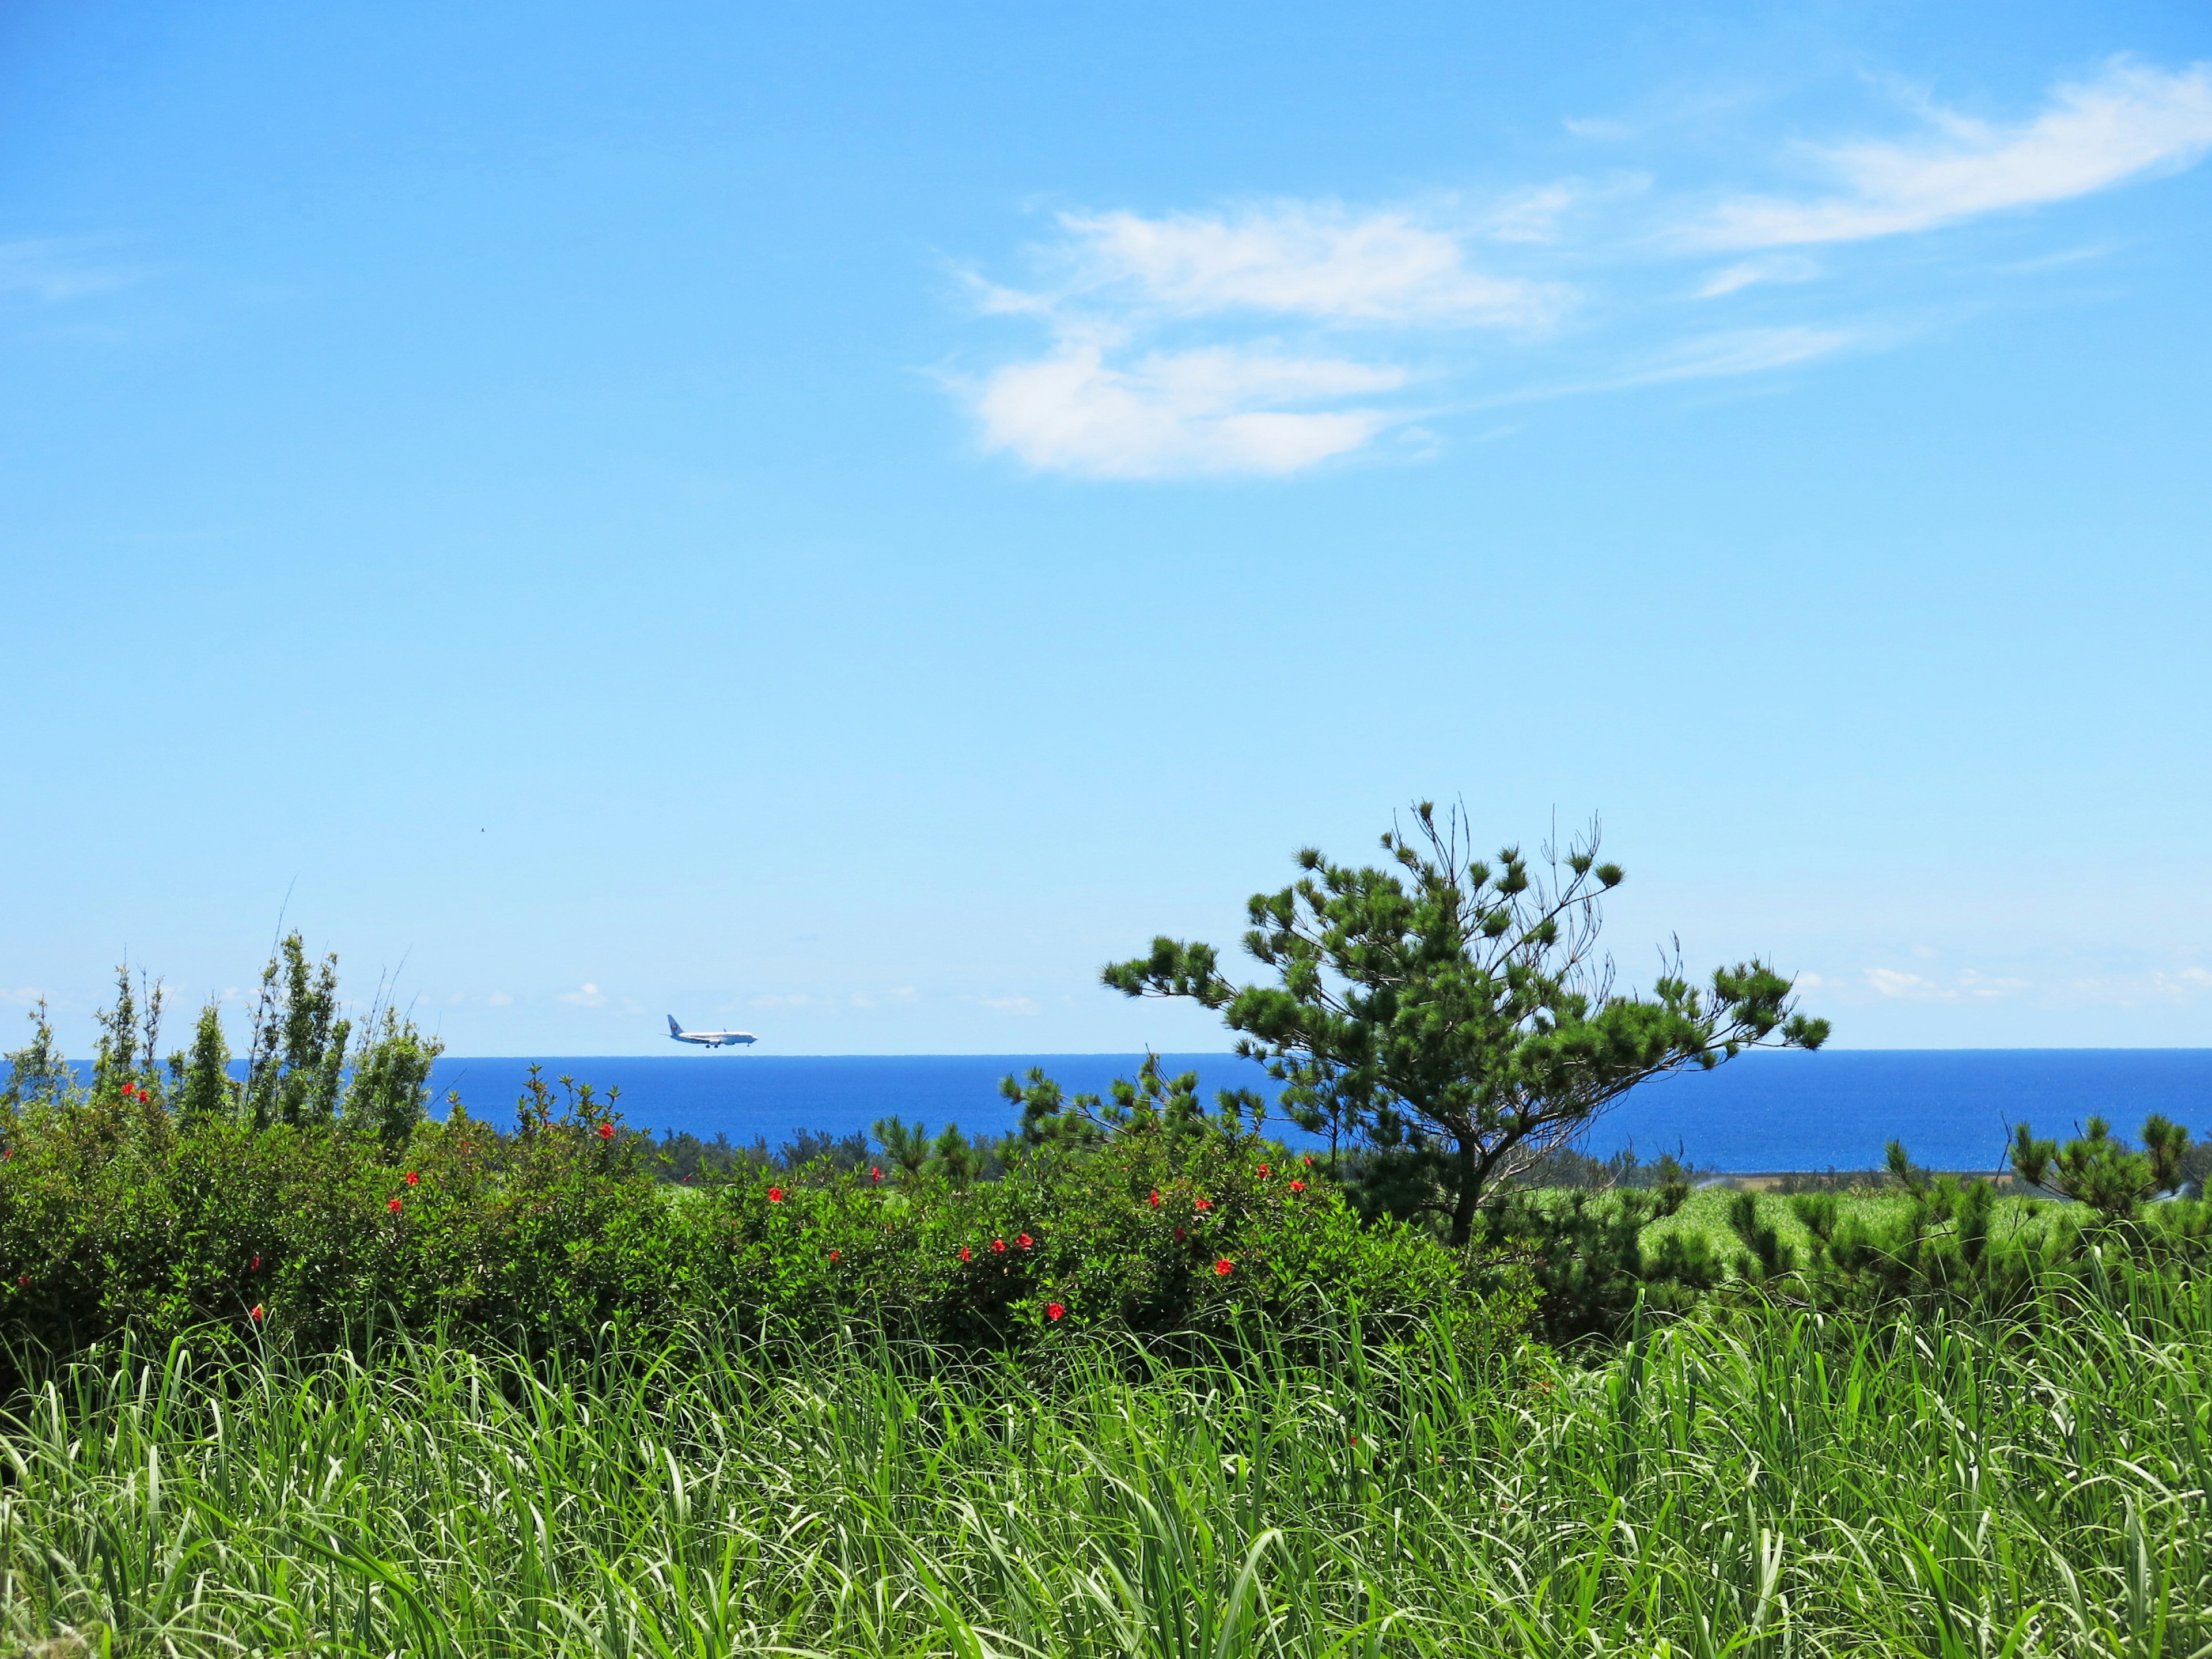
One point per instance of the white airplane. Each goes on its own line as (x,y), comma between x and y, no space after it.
(707,1039)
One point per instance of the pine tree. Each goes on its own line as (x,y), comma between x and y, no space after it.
(204,1088)
(1455,1011)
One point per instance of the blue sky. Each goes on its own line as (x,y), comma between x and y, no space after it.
(842,521)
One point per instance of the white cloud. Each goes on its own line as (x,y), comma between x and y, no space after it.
(1304,259)
(1011,1004)
(1109,398)
(2130,120)
(500,999)
(1272,338)
(1533,215)
(1223,409)
(1893,982)
(1740,351)
(1776,268)
(26,998)
(589,997)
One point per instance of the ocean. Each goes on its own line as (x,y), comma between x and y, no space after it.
(1952,1108)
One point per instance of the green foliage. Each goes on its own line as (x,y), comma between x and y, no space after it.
(201,1077)
(116,1214)
(1760,1484)
(1593,1263)
(38,1070)
(2095,1169)
(296,1058)
(389,1090)
(122,1055)
(1456,1007)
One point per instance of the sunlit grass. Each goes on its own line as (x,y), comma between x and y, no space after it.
(1765,1483)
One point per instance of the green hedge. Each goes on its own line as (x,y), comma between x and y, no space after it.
(113,1215)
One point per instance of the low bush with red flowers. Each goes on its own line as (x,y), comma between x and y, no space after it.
(116,1212)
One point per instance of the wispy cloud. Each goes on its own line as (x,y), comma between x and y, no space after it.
(2130,120)
(1011,1004)
(1314,261)
(1915,987)
(1268,338)
(1223,409)
(1775,268)
(586,996)
(55,268)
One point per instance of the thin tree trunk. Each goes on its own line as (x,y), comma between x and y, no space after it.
(1463,1207)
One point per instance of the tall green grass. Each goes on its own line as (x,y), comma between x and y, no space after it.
(1767,1483)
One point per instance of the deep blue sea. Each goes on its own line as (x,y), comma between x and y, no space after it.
(1952,1108)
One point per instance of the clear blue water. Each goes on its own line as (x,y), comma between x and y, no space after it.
(1952,1108)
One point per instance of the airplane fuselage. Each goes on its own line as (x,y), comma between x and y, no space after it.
(706,1039)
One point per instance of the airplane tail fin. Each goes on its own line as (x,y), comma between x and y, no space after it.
(674,1030)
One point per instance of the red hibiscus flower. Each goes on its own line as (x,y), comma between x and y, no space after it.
(1024,1241)
(1263,1172)
(1155,1198)
(776,1195)
(256,1268)
(1223,1268)
(875,1173)
(256,1315)
(394,1206)
(1297,1186)
(606,1132)
(998,1247)
(834,1255)
(1205,1203)
(414,1180)
(1053,1309)
(967,1255)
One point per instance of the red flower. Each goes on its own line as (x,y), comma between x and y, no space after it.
(776,1195)
(10,1153)
(875,1172)
(1178,1234)
(256,1268)
(967,1255)
(256,1315)
(606,1132)
(1297,1186)
(1024,1241)
(1155,1198)
(1223,1268)
(1310,1160)
(1263,1172)
(998,1247)
(1205,1203)
(414,1180)
(23,1281)
(394,1206)
(1053,1309)
(834,1255)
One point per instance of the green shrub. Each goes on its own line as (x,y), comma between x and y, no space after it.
(116,1215)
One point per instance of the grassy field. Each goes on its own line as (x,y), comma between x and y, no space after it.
(1759,1482)
(1706,1213)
